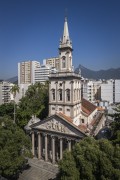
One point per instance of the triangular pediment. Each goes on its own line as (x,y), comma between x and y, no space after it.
(57,124)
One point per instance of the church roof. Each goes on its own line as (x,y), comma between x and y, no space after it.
(65,117)
(87,107)
(58,117)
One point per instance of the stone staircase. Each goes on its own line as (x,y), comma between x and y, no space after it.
(39,170)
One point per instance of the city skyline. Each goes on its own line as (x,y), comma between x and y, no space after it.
(31,30)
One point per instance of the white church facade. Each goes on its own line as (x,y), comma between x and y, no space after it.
(70,118)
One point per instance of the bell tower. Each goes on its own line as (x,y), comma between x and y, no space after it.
(65,50)
(65,85)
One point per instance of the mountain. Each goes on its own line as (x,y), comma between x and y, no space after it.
(87,73)
(101,74)
(13,80)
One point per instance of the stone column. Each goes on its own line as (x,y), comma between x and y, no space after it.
(33,144)
(49,98)
(39,145)
(72,100)
(72,92)
(53,149)
(56,95)
(64,97)
(61,148)
(46,151)
(69,145)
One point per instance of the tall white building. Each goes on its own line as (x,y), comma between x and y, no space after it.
(107,91)
(110,91)
(117,90)
(91,90)
(42,73)
(53,62)
(30,72)
(5,94)
(26,72)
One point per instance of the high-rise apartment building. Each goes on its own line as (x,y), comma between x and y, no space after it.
(53,62)
(107,91)
(42,73)
(110,91)
(5,93)
(91,89)
(117,90)
(26,72)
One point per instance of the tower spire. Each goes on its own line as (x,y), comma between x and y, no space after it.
(65,40)
(65,50)
(65,32)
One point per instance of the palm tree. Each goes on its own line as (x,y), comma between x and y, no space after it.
(14,91)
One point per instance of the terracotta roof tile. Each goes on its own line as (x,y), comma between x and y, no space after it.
(85,110)
(82,127)
(65,117)
(100,109)
(87,106)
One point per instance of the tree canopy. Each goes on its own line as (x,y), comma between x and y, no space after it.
(14,90)
(7,110)
(115,126)
(92,160)
(14,147)
(35,102)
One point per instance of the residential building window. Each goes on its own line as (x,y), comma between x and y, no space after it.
(53,94)
(63,62)
(53,108)
(60,109)
(60,94)
(68,95)
(68,109)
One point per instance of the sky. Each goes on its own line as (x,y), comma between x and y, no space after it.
(31,30)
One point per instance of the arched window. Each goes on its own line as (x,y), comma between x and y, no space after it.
(60,94)
(68,95)
(53,94)
(82,120)
(63,62)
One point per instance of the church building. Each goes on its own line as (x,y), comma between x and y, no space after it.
(70,117)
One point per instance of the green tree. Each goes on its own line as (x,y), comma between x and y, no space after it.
(7,110)
(67,166)
(14,147)
(14,91)
(95,160)
(115,126)
(35,102)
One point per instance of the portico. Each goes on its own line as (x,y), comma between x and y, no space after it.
(52,136)
(50,147)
